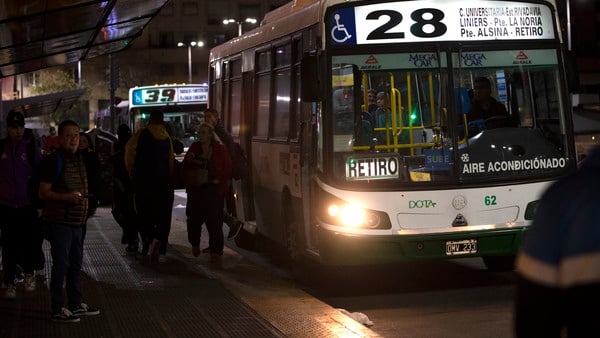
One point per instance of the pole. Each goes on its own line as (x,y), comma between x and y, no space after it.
(189,63)
(112,89)
(239,28)
(79,74)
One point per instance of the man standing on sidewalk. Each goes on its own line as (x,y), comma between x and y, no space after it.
(19,157)
(64,189)
(150,161)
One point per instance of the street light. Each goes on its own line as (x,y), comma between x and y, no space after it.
(239,23)
(189,47)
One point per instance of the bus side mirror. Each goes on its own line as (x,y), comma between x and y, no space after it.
(310,85)
(572,73)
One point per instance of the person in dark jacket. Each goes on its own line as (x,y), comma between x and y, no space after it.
(123,208)
(64,189)
(150,162)
(19,157)
(92,164)
(558,266)
(486,112)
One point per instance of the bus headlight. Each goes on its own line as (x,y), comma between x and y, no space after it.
(349,215)
(341,213)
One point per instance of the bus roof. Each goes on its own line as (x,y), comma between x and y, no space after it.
(285,20)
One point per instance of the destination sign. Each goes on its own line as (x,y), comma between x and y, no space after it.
(433,21)
(372,168)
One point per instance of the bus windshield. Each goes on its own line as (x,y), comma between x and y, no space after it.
(181,121)
(447,116)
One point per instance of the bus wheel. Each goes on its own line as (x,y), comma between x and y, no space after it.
(499,263)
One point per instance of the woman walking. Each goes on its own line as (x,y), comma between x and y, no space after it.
(209,164)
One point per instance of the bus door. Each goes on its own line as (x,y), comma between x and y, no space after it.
(245,205)
(309,124)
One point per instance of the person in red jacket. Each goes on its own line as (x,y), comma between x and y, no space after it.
(205,200)
(211,116)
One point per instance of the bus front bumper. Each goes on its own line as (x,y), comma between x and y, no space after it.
(337,248)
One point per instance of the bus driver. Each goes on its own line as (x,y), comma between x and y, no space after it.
(486,112)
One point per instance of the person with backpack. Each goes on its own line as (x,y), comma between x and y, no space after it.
(150,162)
(239,169)
(19,158)
(209,168)
(64,190)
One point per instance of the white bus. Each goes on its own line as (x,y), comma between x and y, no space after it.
(183,107)
(422,181)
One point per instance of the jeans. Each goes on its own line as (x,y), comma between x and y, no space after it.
(154,211)
(205,206)
(67,256)
(20,232)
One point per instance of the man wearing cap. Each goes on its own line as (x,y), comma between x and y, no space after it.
(19,158)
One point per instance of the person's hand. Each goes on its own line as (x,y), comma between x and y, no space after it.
(76,197)
(211,122)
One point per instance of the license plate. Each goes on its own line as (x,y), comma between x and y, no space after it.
(465,247)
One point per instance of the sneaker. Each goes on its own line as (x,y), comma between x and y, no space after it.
(154,247)
(19,275)
(196,250)
(10,291)
(132,247)
(19,278)
(234,230)
(206,250)
(162,259)
(84,310)
(65,316)
(29,284)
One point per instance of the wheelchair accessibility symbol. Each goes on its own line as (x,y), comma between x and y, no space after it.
(339,33)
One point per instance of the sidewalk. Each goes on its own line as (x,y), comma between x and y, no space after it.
(183,297)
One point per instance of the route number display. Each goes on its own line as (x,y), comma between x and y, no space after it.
(409,21)
(165,95)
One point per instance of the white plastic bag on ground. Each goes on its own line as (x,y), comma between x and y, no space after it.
(358,316)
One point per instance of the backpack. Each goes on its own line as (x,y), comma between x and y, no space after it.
(152,161)
(239,162)
(59,163)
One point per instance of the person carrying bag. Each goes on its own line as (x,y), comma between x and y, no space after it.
(208,171)
(195,171)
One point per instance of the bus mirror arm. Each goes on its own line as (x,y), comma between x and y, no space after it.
(572,73)
(301,142)
(311,85)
